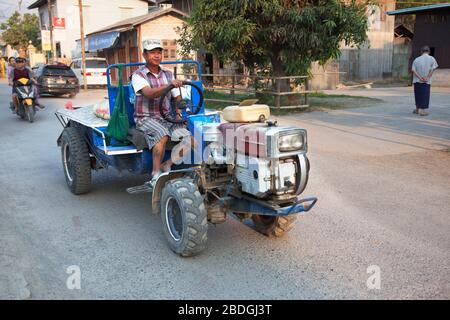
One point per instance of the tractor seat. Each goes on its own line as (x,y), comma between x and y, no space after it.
(137,137)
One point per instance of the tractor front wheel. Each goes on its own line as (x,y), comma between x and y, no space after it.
(184,217)
(274,226)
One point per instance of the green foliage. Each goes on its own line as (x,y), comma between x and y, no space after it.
(19,30)
(285,34)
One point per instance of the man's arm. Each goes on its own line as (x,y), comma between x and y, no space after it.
(141,86)
(153,93)
(413,69)
(419,76)
(433,67)
(31,75)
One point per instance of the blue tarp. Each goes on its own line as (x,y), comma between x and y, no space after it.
(101,40)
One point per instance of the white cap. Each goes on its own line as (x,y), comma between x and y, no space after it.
(150,44)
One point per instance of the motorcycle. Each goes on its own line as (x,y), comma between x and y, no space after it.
(26,107)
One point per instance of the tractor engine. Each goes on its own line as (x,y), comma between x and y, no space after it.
(269,162)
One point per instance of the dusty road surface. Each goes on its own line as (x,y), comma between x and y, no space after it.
(382,176)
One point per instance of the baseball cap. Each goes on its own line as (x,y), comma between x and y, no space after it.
(150,44)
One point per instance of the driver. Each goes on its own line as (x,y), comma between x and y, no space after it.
(149,83)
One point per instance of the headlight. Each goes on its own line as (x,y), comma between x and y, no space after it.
(290,142)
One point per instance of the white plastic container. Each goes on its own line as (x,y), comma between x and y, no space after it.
(253,113)
(211,132)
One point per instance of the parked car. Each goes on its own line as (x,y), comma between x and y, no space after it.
(57,80)
(95,71)
(37,66)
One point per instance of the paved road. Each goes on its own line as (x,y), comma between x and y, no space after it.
(380,173)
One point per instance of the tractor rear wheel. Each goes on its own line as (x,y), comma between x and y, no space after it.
(184,217)
(76,161)
(274,226)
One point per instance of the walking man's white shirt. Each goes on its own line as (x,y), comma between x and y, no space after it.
(423,65)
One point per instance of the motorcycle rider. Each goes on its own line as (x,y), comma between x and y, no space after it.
(21,71)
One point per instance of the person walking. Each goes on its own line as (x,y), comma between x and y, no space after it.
(423,68)
(10,69)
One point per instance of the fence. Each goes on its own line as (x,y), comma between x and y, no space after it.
(271,90)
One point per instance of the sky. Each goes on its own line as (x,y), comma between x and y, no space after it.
(7,8)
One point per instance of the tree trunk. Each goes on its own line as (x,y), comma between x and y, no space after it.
(278,71)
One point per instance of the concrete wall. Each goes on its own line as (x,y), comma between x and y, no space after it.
(97,14)
(162,28)
(441,78)
(324,77)
(127,49)
(400,58)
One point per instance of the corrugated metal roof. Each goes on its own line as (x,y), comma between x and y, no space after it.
(414,10)
(37,4)
(40,3)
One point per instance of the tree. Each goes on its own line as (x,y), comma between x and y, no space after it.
(285,34)
(18,30)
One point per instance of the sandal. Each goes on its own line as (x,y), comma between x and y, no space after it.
(423,113)
(415,111)
(146,187)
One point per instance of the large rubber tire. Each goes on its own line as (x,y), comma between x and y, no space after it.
(76,161)
(30,113)
(274,226)
(184,217)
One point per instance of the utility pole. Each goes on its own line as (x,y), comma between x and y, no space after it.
(50,26)
(83,53)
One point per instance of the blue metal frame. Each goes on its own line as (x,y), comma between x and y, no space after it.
(112,90)
(136,64)
(141,163)
(246,205)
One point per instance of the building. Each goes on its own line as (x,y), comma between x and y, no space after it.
(431,28)
(96,14)
(121,42)
(402,51)
(374,59)
(185,6)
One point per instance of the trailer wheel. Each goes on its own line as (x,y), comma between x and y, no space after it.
(76,161)
(274,226)
(184,217)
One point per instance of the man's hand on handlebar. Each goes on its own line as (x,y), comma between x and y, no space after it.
(177,83)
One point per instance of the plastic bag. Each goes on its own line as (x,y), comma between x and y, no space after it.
(118,124)
(101,110)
